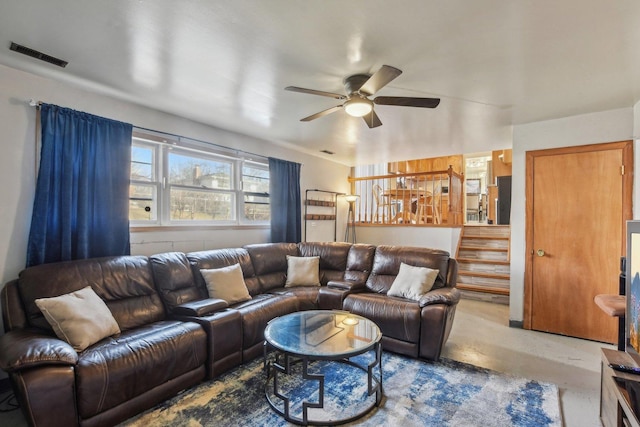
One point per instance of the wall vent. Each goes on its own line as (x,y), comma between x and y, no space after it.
(327,152)
(38,55)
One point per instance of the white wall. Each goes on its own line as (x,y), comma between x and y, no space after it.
(607,126)
(17,165)
(444,238)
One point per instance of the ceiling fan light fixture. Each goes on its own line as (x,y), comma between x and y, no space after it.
(358,106)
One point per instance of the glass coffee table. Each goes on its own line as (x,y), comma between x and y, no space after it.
(326,368)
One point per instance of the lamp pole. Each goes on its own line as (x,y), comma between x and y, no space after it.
(350,232)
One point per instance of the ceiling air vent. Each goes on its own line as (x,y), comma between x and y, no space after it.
(38,55)
(327,152)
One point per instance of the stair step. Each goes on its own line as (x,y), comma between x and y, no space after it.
(490,230)
(484,274)
(478,288)
(491,282)
(470,270)
(483,261)
(483,248)
(485,237)
(480,256)
(488,245)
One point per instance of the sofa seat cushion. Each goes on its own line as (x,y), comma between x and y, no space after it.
(256,313)
(397,318)
(307,295)
(120,368)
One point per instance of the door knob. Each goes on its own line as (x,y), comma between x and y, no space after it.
(540,252)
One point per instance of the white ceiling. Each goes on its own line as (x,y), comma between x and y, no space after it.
(226,63)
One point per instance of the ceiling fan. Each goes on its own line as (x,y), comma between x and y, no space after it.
(359,88)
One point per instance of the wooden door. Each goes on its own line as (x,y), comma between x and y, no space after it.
(578,200)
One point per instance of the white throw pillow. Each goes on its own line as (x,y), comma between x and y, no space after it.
(226,283)
(413,282)
(303,271)
(81,318)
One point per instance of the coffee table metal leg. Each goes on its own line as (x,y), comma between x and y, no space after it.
(315,377)
(281,364)
(284,369)
(375,386)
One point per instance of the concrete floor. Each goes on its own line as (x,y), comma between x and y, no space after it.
(481,336)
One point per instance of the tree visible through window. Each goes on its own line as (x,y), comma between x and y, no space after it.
(171,185)
(200,188)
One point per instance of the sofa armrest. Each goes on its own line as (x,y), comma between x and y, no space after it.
(200,307)
(448,296)
(346,285)
(26,348)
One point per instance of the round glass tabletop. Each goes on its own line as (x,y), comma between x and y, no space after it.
(322,333)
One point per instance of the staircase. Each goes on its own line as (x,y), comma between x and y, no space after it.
(484,262)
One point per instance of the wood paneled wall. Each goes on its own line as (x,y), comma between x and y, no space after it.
(428,165)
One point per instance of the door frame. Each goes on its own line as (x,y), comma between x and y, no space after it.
(627,207)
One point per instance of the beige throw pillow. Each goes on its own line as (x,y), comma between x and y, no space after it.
(81,318)
(303,271)
(413,282)
(226,283)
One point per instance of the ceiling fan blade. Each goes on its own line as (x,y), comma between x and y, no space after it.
(404,101)
(322,113)
(372,120)
(380,79)
(315,92)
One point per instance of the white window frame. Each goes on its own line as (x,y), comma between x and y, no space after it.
(155,182)
(241,186)
(162,146)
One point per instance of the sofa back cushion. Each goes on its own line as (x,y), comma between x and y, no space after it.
(125,283)
(218,258)
(359,262)
(174,279)
(333,258)
(270,263)
(387,260)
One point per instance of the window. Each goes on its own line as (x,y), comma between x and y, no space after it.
(255,183)
(191,184)
(143,190)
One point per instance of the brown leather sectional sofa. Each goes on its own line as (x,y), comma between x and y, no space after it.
(173,335)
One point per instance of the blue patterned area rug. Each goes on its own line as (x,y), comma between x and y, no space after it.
(416,393)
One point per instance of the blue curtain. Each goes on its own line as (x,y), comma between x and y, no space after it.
(284,197)
(81,206)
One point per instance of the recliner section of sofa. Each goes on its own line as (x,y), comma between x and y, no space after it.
(263,306)
(186,299)
(413,328)
(174,335)
(152,358)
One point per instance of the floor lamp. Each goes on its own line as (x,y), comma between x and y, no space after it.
(350,232)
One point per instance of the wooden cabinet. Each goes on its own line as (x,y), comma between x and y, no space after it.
(498,163)
(615,407)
